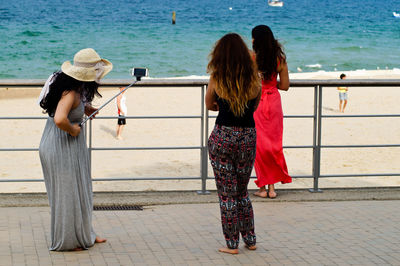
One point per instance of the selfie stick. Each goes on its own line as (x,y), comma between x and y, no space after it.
(95,112)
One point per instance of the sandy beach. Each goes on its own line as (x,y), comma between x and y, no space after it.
(186,132)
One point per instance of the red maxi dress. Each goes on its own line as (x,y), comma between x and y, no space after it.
(270,164)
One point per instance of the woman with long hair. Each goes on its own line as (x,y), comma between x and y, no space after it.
(270,164)
(233,91)
(64,156)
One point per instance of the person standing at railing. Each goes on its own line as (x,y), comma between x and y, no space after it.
(122,112)
(63,152)
(270,164)
(342,95)
(233,91)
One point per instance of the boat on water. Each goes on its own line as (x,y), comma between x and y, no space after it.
(275,3)
(396,15)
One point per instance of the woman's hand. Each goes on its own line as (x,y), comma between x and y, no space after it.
(75,130)
(89,109)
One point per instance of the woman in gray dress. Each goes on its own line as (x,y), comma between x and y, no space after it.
(66,96)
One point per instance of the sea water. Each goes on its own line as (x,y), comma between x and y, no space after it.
(37,36)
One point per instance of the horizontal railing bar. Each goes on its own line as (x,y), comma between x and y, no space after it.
(198,116)
(21,180)
(146,148)
(298,147)
(285,116)
(293,176)
(19,149)
(361,146)
(22,117)
(360,175)
(298,116)
(150,117)
(347,116)
(146,178)
(189,82)
(106,117)
(143,148)
(112,179)
(135,179)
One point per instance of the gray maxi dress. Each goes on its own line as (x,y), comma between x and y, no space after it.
(66,171)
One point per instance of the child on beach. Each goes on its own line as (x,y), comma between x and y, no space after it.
(342,95)
(122,112)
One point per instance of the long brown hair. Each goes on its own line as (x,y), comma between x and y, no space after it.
(234,72)
(268,51)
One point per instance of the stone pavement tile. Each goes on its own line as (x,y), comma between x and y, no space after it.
(5,260)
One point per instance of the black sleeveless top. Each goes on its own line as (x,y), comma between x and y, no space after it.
(227,118)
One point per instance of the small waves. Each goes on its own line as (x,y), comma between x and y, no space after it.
(314,66)
(350,48)
(31,33)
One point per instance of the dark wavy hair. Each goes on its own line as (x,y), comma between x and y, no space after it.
(234,72)
(268,50)
(63,83)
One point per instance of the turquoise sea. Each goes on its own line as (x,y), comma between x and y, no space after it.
(36,36)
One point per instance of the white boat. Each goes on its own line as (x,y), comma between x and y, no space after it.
(396,15)
(275,3)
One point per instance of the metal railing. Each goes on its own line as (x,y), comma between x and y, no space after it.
(204,117)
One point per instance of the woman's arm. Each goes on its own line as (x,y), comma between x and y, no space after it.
(211,96)
(283,76)
(67,102)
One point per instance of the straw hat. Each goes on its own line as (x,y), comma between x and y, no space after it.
(88,66)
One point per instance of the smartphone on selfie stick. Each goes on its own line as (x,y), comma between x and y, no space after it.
(138,73)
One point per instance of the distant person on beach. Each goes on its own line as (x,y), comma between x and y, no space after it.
(270,164)
(122,112)
(66,97)
(342,95)
(234,91)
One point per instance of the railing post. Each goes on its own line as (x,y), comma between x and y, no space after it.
(203,144)
(317,129)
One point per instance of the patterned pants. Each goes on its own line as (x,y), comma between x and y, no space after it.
(232,151)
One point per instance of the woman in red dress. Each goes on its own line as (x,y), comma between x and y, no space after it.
(270,164)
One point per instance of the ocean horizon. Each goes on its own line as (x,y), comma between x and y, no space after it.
(38,36)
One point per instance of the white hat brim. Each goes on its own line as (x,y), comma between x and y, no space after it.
(85,73)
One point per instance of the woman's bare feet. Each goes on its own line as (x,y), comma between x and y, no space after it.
(229,250)
(100,240)
(262,192)
(251,247)
(77,249)
(271,192)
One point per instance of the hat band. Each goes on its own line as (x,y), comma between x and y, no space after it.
(80,64)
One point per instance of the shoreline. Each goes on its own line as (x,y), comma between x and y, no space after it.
(321,74)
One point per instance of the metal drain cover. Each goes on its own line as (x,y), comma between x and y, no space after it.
(118,208)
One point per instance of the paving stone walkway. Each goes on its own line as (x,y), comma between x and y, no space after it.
(288,233)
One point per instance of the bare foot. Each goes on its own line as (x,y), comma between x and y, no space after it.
(77,249)
(229,250)
(272,194)
(100,240)
(251,247)
(261,194)
(119,137)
